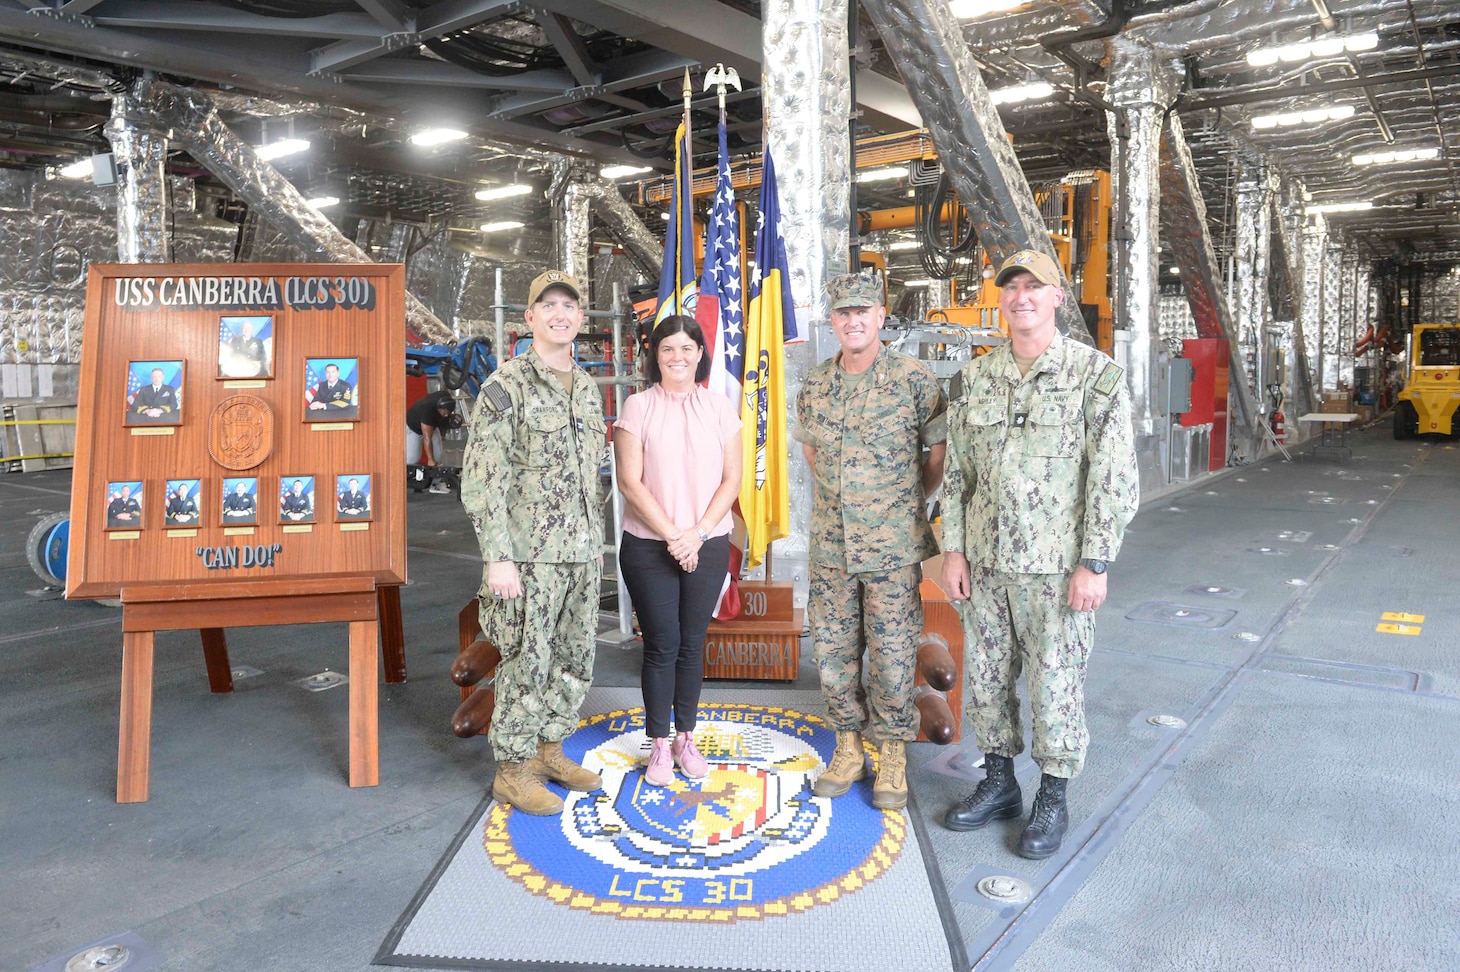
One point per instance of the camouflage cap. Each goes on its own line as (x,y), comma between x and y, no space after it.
(1040,265)
(553,278)
(855,290)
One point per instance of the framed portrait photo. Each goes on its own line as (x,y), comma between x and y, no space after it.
(124,505)
(296,499)
(246,346)
(154,393)
(352,498)
(331,389)
(240,505)
(184,503)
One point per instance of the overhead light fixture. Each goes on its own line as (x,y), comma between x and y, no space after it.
(1348,207)
(620,171)
(885,174)
(1173,269)
(904,245)
(503,192)
(437,136)
(1407,155)
(1304,50)
(971,9)
(664,216)
(79,169)
(1035,91)
(322,202)
(917,283)
(1313,116)
(506,224)
(281,148)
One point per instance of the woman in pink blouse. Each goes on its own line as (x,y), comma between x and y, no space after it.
(678,451)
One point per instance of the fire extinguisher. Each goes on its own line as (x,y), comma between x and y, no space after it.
(1278,431)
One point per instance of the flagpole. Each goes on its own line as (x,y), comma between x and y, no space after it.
(683,200)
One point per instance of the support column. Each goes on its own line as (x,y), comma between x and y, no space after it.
(1357,273)
(806,87)
(570,230)
(141,157)
(1289,220)
(1315,242)
(1332,310)
(1185,217)
(1251,256)
(1142,88)
(927,44)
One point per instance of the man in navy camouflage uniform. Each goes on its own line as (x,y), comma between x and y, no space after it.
(1041,482)
(864,419)
(531,487)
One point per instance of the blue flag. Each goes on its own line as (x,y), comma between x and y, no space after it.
(677,288)
(770,321)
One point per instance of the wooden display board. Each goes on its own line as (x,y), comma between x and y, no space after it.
(207,392)
(764,642)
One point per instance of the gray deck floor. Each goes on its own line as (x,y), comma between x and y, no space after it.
(1304,819)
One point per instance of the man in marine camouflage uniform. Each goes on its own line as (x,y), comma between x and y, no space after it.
(1041,482)
(864,418)
(530,484)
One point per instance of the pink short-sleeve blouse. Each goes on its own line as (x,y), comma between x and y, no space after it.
(684,437)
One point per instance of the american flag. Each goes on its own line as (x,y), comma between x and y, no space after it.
(720,311)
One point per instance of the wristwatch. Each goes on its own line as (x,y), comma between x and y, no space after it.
(1094,566)
(704,537)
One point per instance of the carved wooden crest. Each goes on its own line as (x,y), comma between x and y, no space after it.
(241,432)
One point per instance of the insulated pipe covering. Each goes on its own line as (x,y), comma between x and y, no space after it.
(927,44)
(1333,350)
(195,125)
(1251,255)
(646,249)
(1314,240)
(1141,87)
(1289,222)
(141,190)
(570,230)
(1185,216)
(806,90)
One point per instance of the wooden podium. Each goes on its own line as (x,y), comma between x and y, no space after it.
(764,642)
(223,409)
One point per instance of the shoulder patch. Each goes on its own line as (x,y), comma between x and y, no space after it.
(1109,378)
(497,397)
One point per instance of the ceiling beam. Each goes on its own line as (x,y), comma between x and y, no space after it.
(1199,100)
(157,15)
(621,121)
(393,15)
(624,74)
(434,21)
(561,35)
(281,74)
(423,71)
(710,32)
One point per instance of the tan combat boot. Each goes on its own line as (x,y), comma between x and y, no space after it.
(516,786)
(552,763)
(847,767)
(890,790)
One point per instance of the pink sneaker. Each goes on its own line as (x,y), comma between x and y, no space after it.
(661,765)
(688,758)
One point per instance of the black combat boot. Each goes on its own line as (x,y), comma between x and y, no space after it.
(996,798)
(1047,821)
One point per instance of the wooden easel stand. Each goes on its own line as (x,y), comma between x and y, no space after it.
(354,598)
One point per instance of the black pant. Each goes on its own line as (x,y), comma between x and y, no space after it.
(674,609)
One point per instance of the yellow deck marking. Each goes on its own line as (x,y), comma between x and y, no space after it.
(1404,629)
(1406,618)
